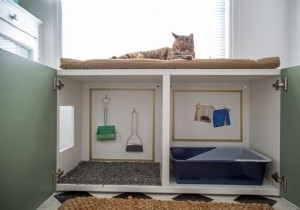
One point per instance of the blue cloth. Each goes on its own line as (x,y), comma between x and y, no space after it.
(221,118)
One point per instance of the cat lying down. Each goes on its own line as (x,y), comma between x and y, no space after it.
(183,48)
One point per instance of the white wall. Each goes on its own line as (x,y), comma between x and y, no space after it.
(265,122)
(70,95)
(294,24)
(261,29)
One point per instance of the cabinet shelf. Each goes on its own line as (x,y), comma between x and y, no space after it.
(178,75)
(266,189)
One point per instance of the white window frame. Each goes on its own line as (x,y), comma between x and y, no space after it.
(229,43)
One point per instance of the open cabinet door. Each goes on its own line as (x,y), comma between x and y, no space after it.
(290,135)
(27,132)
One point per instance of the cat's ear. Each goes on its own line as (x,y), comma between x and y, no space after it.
(191,38)
(175,36)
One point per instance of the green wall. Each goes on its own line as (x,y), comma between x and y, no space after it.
(42,9)
(27,132)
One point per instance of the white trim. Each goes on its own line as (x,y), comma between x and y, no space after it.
(165,165)
(57,33)
(267,189)
(232,6)
(147,72)
(233,28)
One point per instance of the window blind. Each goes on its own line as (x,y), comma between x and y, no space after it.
(14,47)
(222,29)
(101,29)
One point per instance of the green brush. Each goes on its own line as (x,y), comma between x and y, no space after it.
(106,132)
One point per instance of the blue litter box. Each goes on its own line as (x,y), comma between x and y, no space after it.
(218,165)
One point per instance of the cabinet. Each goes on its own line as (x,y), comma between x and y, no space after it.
(29,119)
(260,124)
(19,30)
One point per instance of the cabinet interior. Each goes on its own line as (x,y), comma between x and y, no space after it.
(260,120)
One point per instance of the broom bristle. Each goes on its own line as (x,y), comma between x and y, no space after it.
(134,148)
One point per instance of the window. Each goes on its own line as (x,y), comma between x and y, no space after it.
(66,127)
(101,29)
(14,47)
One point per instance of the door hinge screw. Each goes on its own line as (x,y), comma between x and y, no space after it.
(57,85)
(57,175)
(281,84)
(281,180)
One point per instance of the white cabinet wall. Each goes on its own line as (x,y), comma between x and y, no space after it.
(260,114)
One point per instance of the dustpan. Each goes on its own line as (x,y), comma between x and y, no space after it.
(106,132)
(134,141)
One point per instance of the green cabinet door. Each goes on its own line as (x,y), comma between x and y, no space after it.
(27,132)
(290,135)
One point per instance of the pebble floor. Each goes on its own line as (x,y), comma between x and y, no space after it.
(113,173)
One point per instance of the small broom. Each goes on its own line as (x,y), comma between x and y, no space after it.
(106,132)
(134,141)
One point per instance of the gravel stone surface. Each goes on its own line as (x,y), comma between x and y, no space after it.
(113,173)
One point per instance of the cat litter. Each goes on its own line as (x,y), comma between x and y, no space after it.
(113,173)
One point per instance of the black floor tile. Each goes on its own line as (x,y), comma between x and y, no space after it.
(62,197)
(192,197)
(254,199)
(132,195)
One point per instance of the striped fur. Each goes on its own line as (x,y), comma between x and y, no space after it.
(183,48)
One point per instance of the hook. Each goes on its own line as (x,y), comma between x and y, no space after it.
(106,100)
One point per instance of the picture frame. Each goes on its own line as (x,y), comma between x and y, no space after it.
(196,115)
(123,102)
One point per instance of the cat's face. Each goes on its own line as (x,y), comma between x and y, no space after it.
(184,45)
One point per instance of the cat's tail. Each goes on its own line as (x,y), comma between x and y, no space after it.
(113,57)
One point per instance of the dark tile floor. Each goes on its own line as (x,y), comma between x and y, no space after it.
(254,199)
(62,197)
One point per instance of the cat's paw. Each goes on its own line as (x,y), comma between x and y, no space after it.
(188,57)
(113,57)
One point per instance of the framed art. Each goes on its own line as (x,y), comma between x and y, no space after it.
(119,114)
(207,115)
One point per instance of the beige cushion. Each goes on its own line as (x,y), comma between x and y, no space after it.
(264,63)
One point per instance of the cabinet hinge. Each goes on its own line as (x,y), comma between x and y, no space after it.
(281,180)
(57,85)
(56,176)
(281,84)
